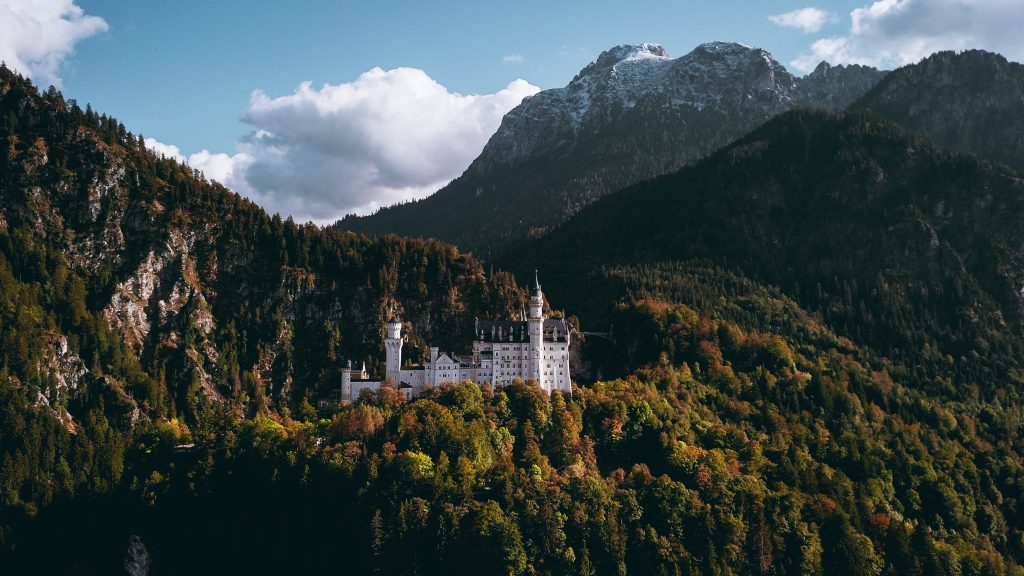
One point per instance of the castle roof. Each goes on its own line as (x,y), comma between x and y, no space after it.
(516,331)
(446,358)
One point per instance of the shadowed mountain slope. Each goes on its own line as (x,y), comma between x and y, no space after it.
(915,251)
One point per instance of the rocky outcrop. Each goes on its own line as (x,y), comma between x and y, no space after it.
(717,75)
(836,87)
(64,366)
(133,304)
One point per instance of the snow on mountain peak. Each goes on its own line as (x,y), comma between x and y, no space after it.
(624,53)
(647,50)
(718,75)
(720,47)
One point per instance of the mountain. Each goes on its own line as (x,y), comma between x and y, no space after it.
(126,270)
(632,114)
(837,87)
(971,101)
(160,338)
(904,247)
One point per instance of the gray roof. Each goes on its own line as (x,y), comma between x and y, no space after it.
(554,330)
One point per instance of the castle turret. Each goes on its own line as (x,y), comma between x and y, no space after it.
(535,324)
(346,382)
(393,347)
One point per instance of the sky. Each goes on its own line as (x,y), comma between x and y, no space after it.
(316,109)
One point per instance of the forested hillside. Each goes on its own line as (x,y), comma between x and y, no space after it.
(736,452)
(896,244)
(161,341)
(134,290)
(127,265)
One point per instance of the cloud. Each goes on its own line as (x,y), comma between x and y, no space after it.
(807,19)
(388,136)
(512,58)
(37,36)
(168,150)
(890,33)
(227,169)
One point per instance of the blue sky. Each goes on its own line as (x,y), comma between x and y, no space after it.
(183,71)
(400,96)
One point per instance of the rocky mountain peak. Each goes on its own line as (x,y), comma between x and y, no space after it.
(731,74)
(630,75)
(725,48)
(836,87)
(626,52)
(733,55)
(611,63)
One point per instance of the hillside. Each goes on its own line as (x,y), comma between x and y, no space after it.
(898,245)
(734,451)
(160,338)
(123,271)
(632,114)
(971,101)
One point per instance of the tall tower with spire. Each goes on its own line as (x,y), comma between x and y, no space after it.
(535,327)
(393,347)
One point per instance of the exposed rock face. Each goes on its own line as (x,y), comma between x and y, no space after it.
(632,114)
(138,297)
(104,240)
(716,75)
(836,87)
(66,368)
(972,101)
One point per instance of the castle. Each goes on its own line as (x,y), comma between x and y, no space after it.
(536,349)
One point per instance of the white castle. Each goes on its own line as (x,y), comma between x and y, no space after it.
(535,350)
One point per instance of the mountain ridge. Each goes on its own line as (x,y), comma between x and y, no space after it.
(971,101)
(631,114)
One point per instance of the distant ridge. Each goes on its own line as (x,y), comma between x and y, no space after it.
(971,101)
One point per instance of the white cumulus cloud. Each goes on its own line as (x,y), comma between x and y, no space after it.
(388,136)
(890,33)
(512,58)
(227,169)
(168,150)
(36,36)
(807,19)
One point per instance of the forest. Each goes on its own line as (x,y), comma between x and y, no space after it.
(731,453)
(732,423)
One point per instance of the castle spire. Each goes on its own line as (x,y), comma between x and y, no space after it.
(536,280)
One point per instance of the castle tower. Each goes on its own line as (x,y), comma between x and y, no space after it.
(346,382)
(535,323)
(393,347)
